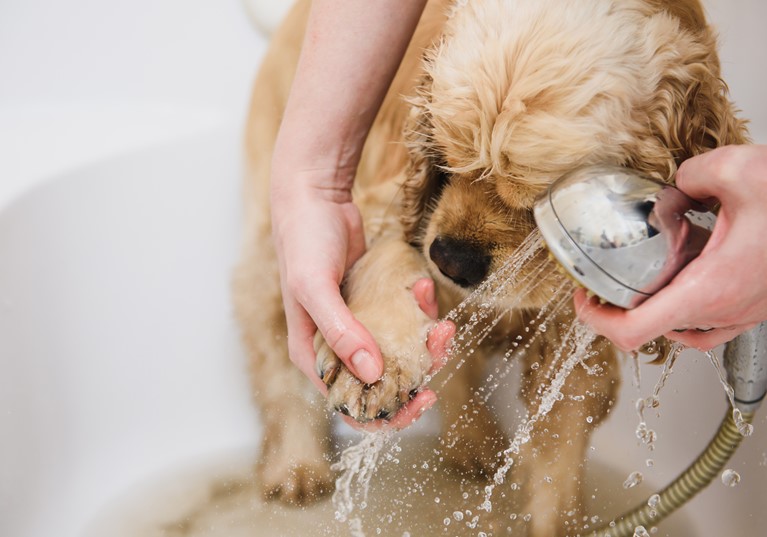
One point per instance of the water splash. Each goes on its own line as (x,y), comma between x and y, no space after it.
(577,341)
(640,531)
(357,465)
(476,317)
(744,428)
(633,480)
(730,478)
(646,435)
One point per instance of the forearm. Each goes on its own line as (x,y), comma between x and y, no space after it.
(351,51)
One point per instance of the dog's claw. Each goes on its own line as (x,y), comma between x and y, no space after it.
(329,374)
(326,365)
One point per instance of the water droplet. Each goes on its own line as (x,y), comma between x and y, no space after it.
(436,500)
(589,419)
(633,480)
(458,515)
(730,477)
(446,522)
(640,531)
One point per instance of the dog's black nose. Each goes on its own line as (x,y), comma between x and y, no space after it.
(463,262)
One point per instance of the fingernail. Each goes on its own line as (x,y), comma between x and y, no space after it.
(365,366)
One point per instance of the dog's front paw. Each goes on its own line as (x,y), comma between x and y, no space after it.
(402,377)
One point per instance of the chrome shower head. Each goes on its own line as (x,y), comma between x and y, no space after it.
(621,234)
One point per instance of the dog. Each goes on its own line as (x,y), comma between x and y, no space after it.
(494,100)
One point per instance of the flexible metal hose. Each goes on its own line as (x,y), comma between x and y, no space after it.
(695,478)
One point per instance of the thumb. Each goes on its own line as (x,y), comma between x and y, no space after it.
(348,338)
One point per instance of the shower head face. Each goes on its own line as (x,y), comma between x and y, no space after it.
(621,234)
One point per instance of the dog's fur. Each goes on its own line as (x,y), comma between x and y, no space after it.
(493,101)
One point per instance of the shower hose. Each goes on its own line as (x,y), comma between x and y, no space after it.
(695,478)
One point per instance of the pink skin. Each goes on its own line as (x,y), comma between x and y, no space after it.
(725,288)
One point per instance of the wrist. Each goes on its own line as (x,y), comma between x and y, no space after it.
(296,184)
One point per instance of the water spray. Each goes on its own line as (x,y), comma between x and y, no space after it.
(624,236)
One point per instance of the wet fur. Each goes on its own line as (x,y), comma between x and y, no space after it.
(489,106)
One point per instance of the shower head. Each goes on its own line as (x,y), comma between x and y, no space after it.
(620,234)
(624,236)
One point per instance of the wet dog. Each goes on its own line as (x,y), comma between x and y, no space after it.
(493,101)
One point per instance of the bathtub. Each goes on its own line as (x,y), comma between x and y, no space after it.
(122,379)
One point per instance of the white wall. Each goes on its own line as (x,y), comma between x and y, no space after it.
(88,76)
(85,79)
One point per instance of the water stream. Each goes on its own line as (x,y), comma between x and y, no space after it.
(475,317)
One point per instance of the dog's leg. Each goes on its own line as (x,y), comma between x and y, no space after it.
(554,459)
(471,437)
(294,464)
(378,290)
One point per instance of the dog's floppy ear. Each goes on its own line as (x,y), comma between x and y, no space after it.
(425,174)
(691,112)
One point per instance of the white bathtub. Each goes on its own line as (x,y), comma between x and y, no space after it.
(119,357)
(118,353)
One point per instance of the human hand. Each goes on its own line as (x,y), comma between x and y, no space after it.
(318,235)
(721,293)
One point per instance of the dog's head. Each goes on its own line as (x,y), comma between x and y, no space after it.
(515,94)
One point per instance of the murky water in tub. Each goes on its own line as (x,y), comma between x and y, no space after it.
(220,497)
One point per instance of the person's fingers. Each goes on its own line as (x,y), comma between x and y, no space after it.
(707,177)
(438,343)
(426,297)
(669,309)
(348,338)
(707,340)
(405,417)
